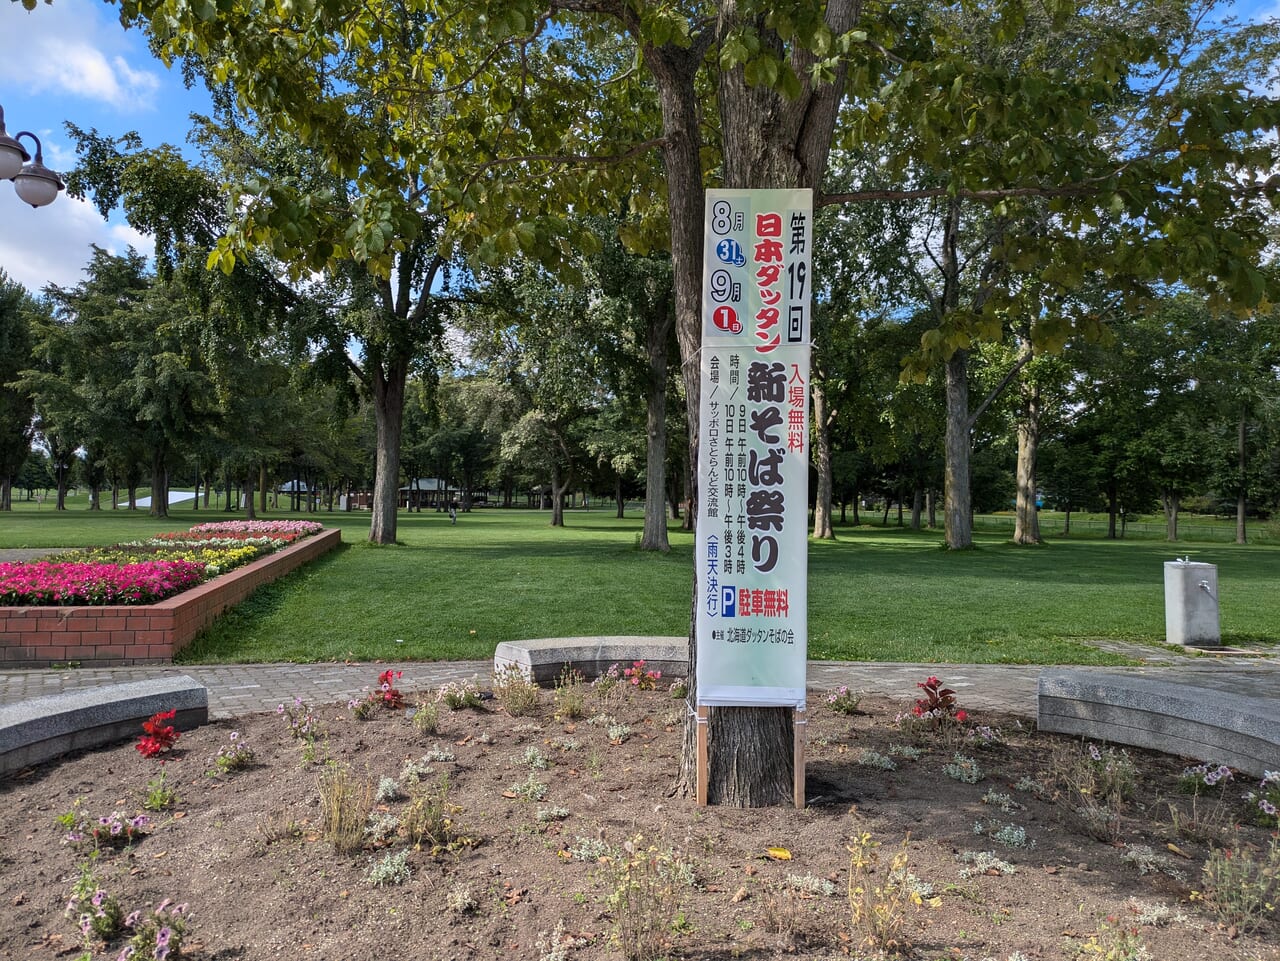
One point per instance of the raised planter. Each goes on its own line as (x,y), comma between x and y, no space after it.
(42,728)
(142,633)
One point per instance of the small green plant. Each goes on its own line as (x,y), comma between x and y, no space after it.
(870,758)
(458,899)
(606,685)
(618,733)
(426,718)
(391,869)
(1004,802)
(880,903)
(983,862)
(114,830)
(458,695)
(439,755)
(810,884)
(906,752)
(159,794)
(843,701)
(413,772)
(552,813)
(641,677)
(1114,944)
(1029,785)
(644,899)
(345,803)
(1148,861)
(388,790)
(679,688)
(235,755)
(516,691)
(589,850)
(1095,785)
(963,768)
(96,913)
(158,935)
(530,789)
(1265,801)
(556,945)
(534,759)
(570,696)
(381,828)
(69,820)
(1241,888)
(431,821)
(1010,835)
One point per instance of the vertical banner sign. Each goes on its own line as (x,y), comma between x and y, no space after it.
(753,464)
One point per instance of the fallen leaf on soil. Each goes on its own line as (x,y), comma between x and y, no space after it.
(158,855)
(740,895)
(1177,850)
(465,740)
(1051,869)
(778,854)
(179,815)
(515,896)
(750,869)
(509,794)
(20,898)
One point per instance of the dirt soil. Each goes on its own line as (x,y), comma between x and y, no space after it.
(247,851)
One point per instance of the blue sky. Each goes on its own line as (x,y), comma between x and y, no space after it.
(73,61)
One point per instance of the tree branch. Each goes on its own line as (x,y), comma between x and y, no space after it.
(1022,361)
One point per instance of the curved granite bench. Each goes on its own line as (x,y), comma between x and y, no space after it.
(42,728)
(544,658)
(1176,717)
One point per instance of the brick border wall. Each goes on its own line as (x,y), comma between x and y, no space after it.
(142,634)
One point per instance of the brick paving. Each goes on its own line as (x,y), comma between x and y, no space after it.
(238,689)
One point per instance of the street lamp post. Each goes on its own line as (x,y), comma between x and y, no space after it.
(35,183)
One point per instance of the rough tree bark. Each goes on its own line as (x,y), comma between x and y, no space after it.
(654,537)
(1242,437)
(388,412)
(822,528)
(1026,525)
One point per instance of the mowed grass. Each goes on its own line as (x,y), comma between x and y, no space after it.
(454,592)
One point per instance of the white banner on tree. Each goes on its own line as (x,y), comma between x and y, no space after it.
(753,464)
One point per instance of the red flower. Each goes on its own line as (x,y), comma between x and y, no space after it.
(962,716)
(159,737)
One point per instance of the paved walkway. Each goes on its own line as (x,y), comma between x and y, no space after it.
(237,689)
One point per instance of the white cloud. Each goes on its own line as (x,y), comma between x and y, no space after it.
(75,47)
(52,244)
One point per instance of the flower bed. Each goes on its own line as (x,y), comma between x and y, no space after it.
(142,633)
(141,572)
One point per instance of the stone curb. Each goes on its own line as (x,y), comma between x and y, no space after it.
(46,727)
(544,658)
(1178,718)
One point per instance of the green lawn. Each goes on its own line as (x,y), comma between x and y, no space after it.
(875,594)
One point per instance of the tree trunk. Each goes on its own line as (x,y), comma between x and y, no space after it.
(6,493)
(262,488)
(388,410)
(917,507)
(1026,525)
(559,485)
(931,506)
(1171,506)
(770,141)
(159,482)
(654,536)
(619,499)
(249,513)
(822,461)
(1113,508)
(957,518)
(1066,520)
(1241,439)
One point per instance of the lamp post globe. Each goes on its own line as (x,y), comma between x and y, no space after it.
(35,183)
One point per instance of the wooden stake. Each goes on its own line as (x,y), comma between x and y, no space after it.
(800,724)
(703,773)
